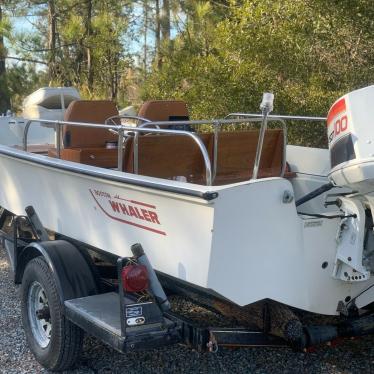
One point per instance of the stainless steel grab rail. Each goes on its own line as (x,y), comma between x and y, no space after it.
(58,132)
(121,129)
(198,141)
(200,122)
(269,118)
(144,128)
(279,116)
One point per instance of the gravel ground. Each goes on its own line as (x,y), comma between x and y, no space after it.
(350,356)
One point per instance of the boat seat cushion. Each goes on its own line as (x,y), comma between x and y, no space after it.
(90,111)
(168,156)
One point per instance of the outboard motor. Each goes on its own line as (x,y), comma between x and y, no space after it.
(350,126)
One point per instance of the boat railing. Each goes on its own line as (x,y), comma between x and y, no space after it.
(144,126)
(273,117)
(217,124)
(121,130)
(277,117)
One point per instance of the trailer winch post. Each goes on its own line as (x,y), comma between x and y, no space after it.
(154,284)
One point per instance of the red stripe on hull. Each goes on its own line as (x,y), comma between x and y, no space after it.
(137,202)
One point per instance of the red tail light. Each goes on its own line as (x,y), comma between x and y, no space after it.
(135,278)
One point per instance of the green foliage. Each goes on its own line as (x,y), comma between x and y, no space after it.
(307,53)
(223,54)
(87,50)
(21,79)
(91,54)
(5,27)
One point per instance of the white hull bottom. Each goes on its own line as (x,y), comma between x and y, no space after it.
(246,245)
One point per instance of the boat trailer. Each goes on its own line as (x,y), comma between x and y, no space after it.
(127,323)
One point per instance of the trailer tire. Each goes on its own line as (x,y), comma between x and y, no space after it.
(55,342)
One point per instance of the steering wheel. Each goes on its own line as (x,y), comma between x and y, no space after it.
(137,118)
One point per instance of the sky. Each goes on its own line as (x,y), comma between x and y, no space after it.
(24,24)
(19,24)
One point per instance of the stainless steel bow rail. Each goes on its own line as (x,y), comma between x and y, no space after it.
(144,126)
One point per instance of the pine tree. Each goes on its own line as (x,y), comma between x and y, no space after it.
(4,92)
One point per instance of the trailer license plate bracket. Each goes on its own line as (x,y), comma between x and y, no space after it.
(142,314)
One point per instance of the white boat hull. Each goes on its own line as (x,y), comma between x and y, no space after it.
(247,244)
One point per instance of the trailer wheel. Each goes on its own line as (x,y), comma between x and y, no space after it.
(55,342)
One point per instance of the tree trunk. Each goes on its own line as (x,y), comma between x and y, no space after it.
(158,34)
(145,43)
(165,31)
(116,78)
(52,41)
(4,93)
(165,21)
(90,72)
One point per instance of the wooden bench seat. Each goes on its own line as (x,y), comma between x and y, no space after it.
(168,156)
(175,156)
(237,153)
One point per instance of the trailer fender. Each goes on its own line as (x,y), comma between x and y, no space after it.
(73,274)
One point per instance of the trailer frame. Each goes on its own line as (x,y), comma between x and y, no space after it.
(105,315)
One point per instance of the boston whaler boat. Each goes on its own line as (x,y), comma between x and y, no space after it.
(118,217)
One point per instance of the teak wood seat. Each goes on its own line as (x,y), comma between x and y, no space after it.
(237,152)
(175,156)
(88,145)
(166,110)
(168,156)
